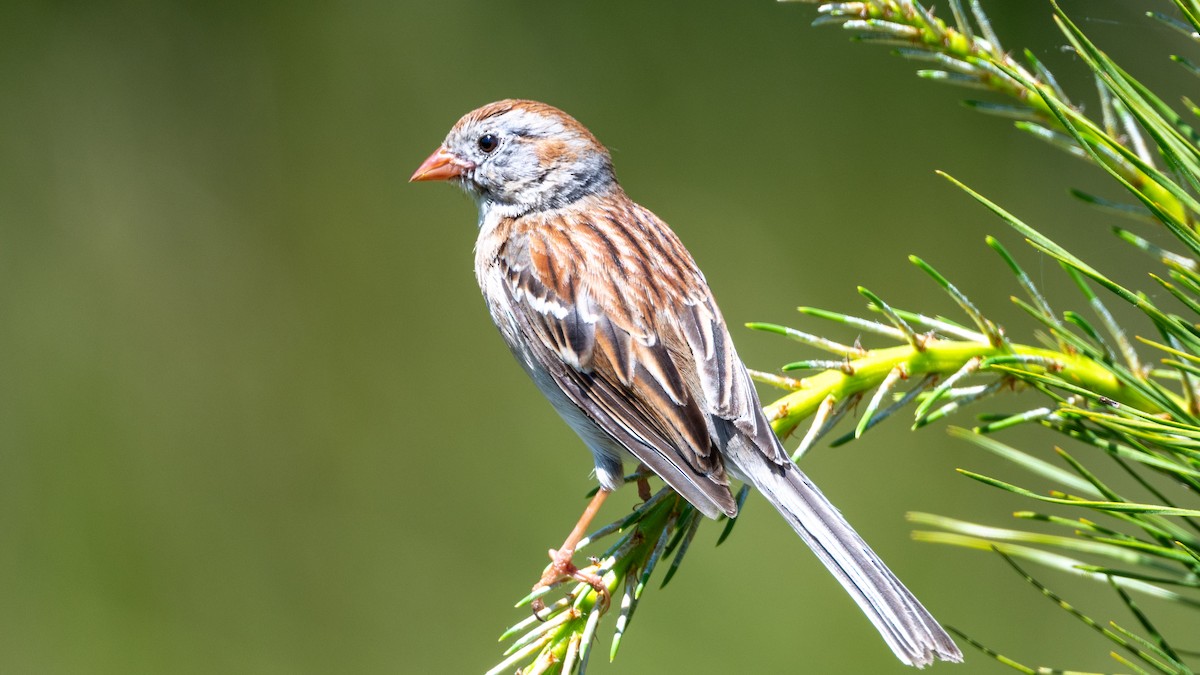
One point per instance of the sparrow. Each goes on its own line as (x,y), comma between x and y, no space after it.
(609,315)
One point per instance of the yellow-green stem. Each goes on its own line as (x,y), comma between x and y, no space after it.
(938,358)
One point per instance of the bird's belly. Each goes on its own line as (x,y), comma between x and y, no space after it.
(606,451)
(609,455)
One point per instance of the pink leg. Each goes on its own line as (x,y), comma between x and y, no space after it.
(560,560)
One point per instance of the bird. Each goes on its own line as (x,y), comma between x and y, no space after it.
(610,316)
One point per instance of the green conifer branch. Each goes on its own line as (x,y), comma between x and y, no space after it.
(966,59)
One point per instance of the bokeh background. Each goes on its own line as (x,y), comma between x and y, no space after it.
(254,418)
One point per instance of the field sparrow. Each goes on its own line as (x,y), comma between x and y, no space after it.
(608,313)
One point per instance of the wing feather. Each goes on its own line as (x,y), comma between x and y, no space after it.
(647,358)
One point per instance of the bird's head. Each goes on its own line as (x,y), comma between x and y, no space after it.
(519,156)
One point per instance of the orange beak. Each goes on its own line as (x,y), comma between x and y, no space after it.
(441,165)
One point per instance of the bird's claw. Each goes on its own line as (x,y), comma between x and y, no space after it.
(561,567)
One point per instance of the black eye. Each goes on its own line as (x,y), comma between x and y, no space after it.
(488,142)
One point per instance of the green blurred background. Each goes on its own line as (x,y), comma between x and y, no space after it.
(254,418)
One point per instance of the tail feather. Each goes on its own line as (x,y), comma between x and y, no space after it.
(907,627)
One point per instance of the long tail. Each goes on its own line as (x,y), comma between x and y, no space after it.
(907,627)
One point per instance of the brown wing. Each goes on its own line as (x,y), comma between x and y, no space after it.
(612,305)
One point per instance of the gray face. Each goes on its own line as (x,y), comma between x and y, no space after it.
(526,161)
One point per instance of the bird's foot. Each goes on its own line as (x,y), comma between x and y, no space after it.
(643,487)
(562,567)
